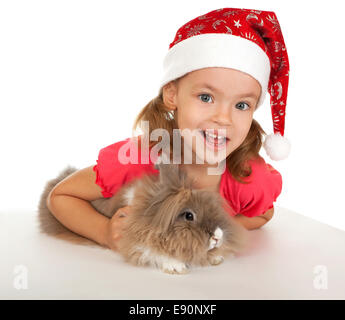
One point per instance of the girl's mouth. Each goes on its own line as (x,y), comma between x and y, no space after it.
(214,142)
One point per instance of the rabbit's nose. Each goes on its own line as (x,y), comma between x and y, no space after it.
(218,233)
(216,238)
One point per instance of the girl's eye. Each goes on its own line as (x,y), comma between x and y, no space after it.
(204,95)
(243,106)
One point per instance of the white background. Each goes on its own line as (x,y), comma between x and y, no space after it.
(74,74)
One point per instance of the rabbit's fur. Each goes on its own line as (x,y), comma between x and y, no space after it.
(159,231)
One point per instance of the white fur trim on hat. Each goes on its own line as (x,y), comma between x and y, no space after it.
(277,146)
(217,50)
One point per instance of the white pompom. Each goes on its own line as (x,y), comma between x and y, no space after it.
(276,146)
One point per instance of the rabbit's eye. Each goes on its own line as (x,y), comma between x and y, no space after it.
(188,215)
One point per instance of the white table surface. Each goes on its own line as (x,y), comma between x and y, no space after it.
(279,263)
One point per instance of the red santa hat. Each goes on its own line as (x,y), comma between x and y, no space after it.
(247,40)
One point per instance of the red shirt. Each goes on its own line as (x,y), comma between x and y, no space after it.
(251,199)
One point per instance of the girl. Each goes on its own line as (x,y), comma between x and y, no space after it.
(216,74)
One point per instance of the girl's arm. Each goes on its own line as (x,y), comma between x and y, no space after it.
(251,223)
(69,203)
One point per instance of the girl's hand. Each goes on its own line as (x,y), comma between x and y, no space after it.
(115,225)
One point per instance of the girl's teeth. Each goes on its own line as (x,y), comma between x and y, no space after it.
(212,141)
(213,136)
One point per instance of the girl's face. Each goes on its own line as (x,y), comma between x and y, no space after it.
(214,98)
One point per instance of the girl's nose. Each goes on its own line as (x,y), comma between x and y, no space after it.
(222,116)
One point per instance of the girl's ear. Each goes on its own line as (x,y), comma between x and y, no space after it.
(169,95)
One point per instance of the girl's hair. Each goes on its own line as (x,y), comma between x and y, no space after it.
(159,116)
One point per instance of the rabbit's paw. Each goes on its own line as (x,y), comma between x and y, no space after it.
(174,267)
(215,260)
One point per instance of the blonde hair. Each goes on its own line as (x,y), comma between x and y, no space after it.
(159,116)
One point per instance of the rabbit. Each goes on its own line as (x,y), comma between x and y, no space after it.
(173,226)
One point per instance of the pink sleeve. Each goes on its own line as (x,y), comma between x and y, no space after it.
(111,174)
(256,197)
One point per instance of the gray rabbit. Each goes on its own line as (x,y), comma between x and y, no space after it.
(173,226)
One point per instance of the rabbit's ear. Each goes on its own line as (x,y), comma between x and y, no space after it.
(162,158)
(169,209)
(170,173)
